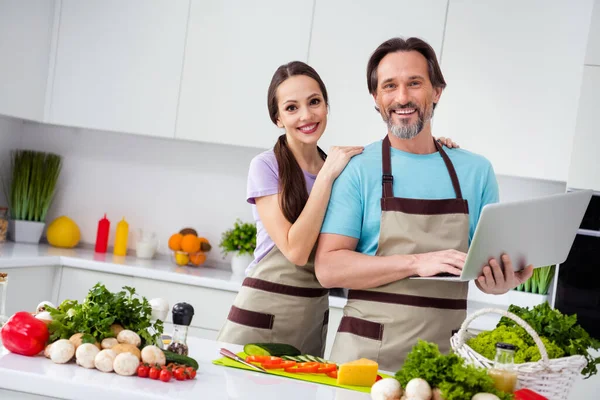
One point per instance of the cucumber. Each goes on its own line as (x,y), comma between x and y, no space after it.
(180,359)
(312,358)
(291,358)
(270,349)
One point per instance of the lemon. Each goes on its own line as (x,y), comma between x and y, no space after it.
(182,258)
(63,232)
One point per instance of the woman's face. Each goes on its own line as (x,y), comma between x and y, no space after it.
(302,109)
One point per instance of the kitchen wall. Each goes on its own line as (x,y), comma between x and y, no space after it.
(10,130)
(163,185)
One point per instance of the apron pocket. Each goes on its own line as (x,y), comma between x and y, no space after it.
(357,338)
(245,326)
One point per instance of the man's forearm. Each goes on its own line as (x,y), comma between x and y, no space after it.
(352,270)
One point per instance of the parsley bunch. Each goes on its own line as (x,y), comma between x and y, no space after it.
(449,373)
(102,308)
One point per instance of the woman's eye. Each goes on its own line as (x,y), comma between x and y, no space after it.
(291,108)
(315,101)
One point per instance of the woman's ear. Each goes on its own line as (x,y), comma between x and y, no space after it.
(279,124)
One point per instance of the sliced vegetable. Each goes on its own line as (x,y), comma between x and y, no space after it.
(332,374)
(527,394)
(263,359)
(281,365)
(270,349)
(325,368)
(305,367)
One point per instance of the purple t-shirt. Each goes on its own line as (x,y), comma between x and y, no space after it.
(263,180)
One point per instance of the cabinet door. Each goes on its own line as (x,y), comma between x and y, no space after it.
(233,48)
(592,56)
(29,286)
(118,65)
(75,283)
(514,71)
(25,37)
(584,171)
(344,35)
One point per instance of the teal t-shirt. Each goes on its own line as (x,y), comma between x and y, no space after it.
(354,207)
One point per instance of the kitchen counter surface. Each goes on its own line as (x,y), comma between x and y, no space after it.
(69,381)
(15,255)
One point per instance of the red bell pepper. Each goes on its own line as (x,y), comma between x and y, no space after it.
(24,334)
(527,394)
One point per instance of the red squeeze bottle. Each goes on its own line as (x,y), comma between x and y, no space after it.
(102,235)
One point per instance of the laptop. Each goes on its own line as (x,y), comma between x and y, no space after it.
(537,231)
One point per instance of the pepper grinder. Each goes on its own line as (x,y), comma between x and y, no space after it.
(182,318)
(3,289)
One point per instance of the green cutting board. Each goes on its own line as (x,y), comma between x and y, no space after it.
(316,378)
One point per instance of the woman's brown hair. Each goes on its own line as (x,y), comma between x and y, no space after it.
(292,184)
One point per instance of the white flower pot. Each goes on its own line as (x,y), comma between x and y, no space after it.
(25,231)
(239,263)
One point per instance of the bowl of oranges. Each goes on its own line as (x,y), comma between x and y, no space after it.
(189,248)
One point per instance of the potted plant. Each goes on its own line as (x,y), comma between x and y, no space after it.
(535,290)
(241,241)
(32,186)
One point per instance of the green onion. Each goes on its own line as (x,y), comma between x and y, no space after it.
(33,184)
(539,283)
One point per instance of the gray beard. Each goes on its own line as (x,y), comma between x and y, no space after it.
(406,131)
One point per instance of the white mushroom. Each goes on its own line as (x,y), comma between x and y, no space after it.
(126,364)
(485,396)
(104,360)
(153,355)
(47,350)
(44,316)
(85,355)
(129,337)
(42,306)
(386,389)
(418,389)
(109,343)
(62,351)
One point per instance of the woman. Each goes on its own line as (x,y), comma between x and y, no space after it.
(281,300)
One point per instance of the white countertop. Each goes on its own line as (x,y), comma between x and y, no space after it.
(38,375)
(15,255)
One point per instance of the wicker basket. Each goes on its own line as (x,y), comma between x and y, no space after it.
(552,378)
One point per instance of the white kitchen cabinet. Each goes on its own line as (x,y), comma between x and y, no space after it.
(25,39)
(233,48)
(29,286)
(514,71)
(344,35)
(118,65)
(584,171)
(592,56)
(75,283)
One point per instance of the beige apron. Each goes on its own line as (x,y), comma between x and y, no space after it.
(280,302)
(382,324)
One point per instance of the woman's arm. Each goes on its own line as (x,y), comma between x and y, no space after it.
(296,241)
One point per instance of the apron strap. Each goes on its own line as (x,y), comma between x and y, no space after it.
(451,169)
(388,179)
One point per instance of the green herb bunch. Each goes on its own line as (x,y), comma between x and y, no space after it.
(448,372)
(241,238)
(33,183)
(101,309)
(539,283)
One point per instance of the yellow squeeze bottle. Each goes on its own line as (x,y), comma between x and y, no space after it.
(121,238)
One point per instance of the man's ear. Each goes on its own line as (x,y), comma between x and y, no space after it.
(375,99)
(437,93)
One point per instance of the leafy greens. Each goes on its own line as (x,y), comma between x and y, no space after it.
(101,309)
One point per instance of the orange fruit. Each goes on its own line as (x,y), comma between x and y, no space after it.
(175,242)
(198,258)
(190,243)
(204,244)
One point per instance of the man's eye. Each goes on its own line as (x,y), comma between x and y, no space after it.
(414,84)
(291,108)
(389,86)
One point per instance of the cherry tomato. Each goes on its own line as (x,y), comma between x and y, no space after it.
(179,374)
(378,378)
(154,373)
(165,375)
(143,371)
(191,372)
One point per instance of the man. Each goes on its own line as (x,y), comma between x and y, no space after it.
(405,207)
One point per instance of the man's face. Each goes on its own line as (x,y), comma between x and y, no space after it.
(404,95)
